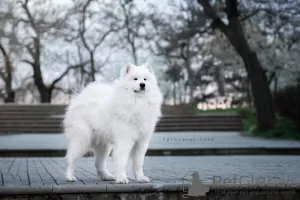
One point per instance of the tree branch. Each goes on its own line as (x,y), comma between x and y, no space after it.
(2,75)
(212,13)
(232,9)
(8,68)
(28,62)
(60,89)
(250,15)
(103,38)
(30,50)
(83,27)
(65,73)
(30,17)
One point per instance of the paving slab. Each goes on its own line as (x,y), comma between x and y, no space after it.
(162,170)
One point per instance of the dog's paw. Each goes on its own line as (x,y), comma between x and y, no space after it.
(108,177)
(122,180)
(71,178)
(143,179)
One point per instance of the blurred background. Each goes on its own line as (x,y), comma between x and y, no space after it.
(229,71)
(229,56)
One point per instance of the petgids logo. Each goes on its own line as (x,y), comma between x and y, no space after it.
(197,188)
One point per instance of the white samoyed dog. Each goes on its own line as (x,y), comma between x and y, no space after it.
(120,117)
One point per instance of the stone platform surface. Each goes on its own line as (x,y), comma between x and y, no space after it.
(48,173)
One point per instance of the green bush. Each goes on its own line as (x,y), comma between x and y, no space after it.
(287,102)
(249,118)
(284,128)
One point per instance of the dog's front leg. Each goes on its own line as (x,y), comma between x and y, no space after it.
(120,156)
(138,156)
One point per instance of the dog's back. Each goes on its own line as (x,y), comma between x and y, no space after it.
(83,107)
(94,92)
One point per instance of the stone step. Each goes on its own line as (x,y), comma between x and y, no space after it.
(162,119)
(50,107)
(158,129)
(26,119)
(201,128)
(30,130)
(57,125)
(34,125)
(48,118)
(56,114)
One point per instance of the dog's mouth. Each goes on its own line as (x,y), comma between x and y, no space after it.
(139,91)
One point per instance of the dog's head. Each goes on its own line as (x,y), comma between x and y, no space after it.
(138,79)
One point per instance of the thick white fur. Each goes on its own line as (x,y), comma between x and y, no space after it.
(120,118)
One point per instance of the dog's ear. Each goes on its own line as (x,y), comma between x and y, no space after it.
(149,67)
(125,70)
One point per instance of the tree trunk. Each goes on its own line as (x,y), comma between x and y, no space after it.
(191,93)
(185,93)
(134,56)
(7,77)
(44,91)
(45,95)
(220,81)
(259,84)
(262,95)
(179,93)
(174,93)
(248,91)
(93,70)
(275,84)
(10,98)
(190,81)
(10,94)
(261,92)
(183,98)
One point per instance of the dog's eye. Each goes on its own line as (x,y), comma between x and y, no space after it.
(145,79)
(135,79)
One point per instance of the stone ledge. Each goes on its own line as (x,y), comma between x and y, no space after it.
(105,188)
(135,188)
(163,152)
(149,191)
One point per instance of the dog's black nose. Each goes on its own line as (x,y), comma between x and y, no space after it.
(142,85)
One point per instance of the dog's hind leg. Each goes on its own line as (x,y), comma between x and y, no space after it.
(77,147)
(101,154)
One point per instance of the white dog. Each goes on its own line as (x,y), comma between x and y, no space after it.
(120,118)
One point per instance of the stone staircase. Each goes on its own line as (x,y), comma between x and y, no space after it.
(47,118)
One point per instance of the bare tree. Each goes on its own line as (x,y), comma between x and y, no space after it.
(6,51)
(281,57)
(6,76)
(133,21)
(235,34)
(93,30)
(179,41)
(41,23)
